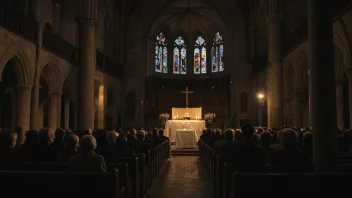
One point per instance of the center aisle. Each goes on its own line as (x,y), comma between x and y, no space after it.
(181,177)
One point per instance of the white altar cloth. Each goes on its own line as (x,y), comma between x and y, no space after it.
(172,126)
(186,139)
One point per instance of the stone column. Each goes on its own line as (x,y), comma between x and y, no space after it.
(349,75)
(297,110)
(323,90)
(35,14)
(275,78)
(67,113)
(23,109)
(86,61)
(53,98)
(339,104)
(58,111)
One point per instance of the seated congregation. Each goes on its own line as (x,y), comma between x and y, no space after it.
(89,164)
(259,161)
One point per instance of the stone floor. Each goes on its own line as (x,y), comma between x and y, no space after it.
(181,177)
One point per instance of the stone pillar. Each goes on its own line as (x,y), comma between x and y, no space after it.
(349,75)
(53,98)
(58,111)
(23,109)
(86,62)
(66,113)
(275,78)
(323,90)
(35,14)
(297,110)
(339,104)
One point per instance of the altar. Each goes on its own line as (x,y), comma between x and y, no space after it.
(172,126)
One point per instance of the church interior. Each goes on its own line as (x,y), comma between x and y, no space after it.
(175,98)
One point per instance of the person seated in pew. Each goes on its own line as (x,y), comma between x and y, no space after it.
(141,146)
(70,148)
(227,147)
(161,134)
(131,138)
(291,154)
(156,138)
(48,152)
(29,149)
(220,141)
(121,149)
(265,139)
(103,147)
(112,136)
(238,135)
(204,135)
(217,135)
(9,154)
(246,155)
(59,139)
(86,160)
(307,143)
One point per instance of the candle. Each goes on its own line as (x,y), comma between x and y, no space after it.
(174,117)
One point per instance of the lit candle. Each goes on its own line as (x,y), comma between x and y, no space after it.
(174,117)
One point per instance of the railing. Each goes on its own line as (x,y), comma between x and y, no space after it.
(59,46)
(300,34)
(19,25)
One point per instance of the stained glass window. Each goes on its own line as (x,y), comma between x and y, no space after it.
(179,56)
(161,54)
(217,54)
(200,56)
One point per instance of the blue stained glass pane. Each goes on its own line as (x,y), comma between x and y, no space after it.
(197,56)
(183,60)
(179,41)
(221,61)
(176,62)
(165,60)
(200,41)
(157,60)
(213,60)
(204,60)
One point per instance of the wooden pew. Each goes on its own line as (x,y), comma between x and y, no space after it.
(290,184)
(41,184)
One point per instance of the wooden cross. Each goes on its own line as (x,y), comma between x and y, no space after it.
(187,92)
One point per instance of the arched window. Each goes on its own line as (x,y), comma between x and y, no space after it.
(179,60)
(244,102)
(217,54)
(161,54)
(200,56)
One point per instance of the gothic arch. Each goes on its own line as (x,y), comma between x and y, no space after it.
(342,43)
(21,63)
(50,72)
(69,85)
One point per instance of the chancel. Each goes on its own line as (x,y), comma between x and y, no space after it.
(175,98)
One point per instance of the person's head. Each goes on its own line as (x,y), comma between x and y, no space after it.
(121,142)
(289,138)
(140,135)
(228,134)
(101,137)
(204,131)
(150,134)
(88,143)
(161,132)
(132,132)
(265,138)
(8,139)
(46,136)
(217,132)
(155,131)
(247,131)
(112,135)
(259,130)
(59,134)
(71,143)
(238,135)
(31,138)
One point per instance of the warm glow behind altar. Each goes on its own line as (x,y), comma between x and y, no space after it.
(194,113)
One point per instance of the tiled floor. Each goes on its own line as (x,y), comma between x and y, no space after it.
(181,177)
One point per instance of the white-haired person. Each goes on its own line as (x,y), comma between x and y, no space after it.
(86,160)
(9,154)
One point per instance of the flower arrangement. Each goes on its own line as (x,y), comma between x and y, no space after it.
(209,118)
(164,117)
